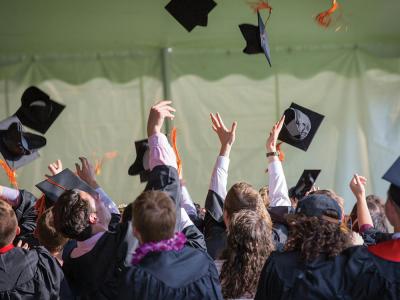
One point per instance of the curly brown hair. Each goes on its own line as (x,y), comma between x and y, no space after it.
(313,236)
(249,243)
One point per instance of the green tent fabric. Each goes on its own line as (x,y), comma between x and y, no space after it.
(108,62)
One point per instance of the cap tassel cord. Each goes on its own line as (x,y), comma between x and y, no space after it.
(175,148)
(324,18)
(12,176)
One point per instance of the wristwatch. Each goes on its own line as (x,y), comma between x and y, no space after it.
(274,153)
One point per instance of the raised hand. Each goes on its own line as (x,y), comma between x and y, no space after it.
(55,167)
(357,186)
(226,137)
(158,113)
(87,172)
(273,135)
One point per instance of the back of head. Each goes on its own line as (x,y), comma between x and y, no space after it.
(333,195)
(47,234)
(71,216)
(8,224)
(243,196)
(154,216)
(264,193)
(249,243)
(316,228)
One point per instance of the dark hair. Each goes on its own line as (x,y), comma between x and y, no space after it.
(127,213)
(154,216)
(71,216)
(47,234)
(8,224)
(313,236)
(377,211)
(249,243)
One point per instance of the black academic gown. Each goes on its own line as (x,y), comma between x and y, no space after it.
(31,274)
(185,274)
(215,229)
(354,274)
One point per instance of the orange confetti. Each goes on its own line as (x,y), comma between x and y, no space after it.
(98,163)
(12,176)
(324,18)
(178,157)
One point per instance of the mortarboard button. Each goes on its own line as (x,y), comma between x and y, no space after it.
(37,110)
(190,13)
(141,163)
(300,127)
(54,186)
(256,38)
(18,147)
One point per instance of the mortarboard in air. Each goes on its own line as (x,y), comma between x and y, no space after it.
(37,110)
(54,186)
(141,163)
(256,38)
(301,125)
(17,146)
(190,13)
(305,183)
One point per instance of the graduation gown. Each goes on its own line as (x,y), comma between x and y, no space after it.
(354,274)
(185,274)
(215,229)
(30,274)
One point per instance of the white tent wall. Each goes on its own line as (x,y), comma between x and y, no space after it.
(358,92)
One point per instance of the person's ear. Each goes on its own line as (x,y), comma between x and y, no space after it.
(226,218)
(17,231)
(136,233)
(92,218)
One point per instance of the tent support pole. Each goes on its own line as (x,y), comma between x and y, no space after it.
(277,98)
(166,84)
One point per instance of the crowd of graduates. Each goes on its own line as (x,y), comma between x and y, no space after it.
(273,243)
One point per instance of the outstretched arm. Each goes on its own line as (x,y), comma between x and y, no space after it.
(278,191)
(357,186)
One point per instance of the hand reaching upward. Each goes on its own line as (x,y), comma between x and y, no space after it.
(273,135)
(158,113)
(226,137)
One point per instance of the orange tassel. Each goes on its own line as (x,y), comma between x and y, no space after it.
(98,164)
(324,18)
(178,157)
(40,206)
(259,5)
(281,153)
(12,176)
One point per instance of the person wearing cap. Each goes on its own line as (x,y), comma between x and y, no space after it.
(164,266)
(25,274)
(221,205)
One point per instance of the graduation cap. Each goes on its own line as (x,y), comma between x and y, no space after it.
(256,38)
(141,164)
(17,146)
(37,110)
(54,186)
(393,176)
(305,183)
(301,124)
(190,13)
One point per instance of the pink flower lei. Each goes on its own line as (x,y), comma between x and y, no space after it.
(175,243)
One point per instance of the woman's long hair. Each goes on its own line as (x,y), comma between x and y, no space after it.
(249,243)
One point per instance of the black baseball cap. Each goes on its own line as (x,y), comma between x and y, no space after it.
(320,205)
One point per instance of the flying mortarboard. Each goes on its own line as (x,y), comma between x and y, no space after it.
(141,163)
(256,38)
(37,110)
(17,146)
(54,186)
(300,127)
(190,13)
(305,183)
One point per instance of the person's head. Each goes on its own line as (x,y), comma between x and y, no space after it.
(8,224)
(243,196)
(47,234)
(264,193)
(392,206)
(316,228)
(78,215)
(331,194)
(154,217)
(249,243)
(377,211)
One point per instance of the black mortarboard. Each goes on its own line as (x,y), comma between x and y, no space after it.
(18,147)
(305,183)
(54,186)
(301,124)
(37,110)
(393,176)
(190,13)
(256,38)
(141,163)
